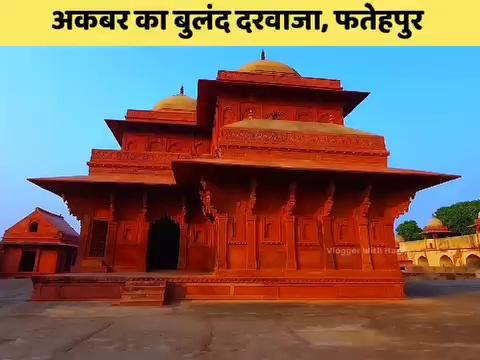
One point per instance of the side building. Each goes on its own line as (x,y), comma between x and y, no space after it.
(40,243)
(441,250)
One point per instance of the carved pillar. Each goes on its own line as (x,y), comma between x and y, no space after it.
(251,228)
(289,228)
(111,242)
(221,221)
(361,220)
(144,229)
(111,234)
(220,224)
(182,221)
(84,236)
(327,228)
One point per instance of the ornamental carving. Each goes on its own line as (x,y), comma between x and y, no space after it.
(206,199)
(328,206)
(295,140)
(252,199)
(134,156)
(287,209)
(363,208)
(401,206)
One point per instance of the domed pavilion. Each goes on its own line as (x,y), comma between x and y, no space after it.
(436,229)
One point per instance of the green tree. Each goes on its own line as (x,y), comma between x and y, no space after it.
(409,230)
(459,217)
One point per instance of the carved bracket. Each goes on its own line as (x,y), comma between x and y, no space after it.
(328,206)
(64,198)
(401,207)
(206,198)
(252,199)
(287,209)
(362,210)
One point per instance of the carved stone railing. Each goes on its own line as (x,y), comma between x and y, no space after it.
(302,141)
(133,157)
(118,161)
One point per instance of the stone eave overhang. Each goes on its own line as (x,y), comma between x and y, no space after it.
(119,127)
(191,170)
(66,184)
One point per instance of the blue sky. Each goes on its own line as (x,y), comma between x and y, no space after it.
(53,101)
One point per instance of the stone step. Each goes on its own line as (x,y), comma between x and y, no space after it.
(143,288)
(143,292)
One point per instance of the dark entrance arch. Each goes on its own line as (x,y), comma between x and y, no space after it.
(163,245)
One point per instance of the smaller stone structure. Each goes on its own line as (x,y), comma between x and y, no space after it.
(40,243)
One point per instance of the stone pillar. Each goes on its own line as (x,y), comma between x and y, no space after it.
(221,221)
(182,261)
(289,237)
(182,223)
(328,243)
(251,237)
(361,220)
(84,235)
(144,232)
(111,242)
(364,239)
(288,228)
(326,219)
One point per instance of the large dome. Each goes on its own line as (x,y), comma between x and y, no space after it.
(180,102)
(264,66)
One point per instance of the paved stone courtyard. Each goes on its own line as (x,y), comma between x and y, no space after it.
(441,320)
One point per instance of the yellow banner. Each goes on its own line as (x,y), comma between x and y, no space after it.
(245,22)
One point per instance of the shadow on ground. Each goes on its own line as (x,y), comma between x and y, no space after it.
(440,288)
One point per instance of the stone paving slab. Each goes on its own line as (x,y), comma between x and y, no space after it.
(441,320)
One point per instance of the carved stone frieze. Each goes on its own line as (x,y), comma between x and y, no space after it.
(294,140)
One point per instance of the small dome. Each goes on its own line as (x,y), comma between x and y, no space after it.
(179,102)
(264,66)
(435,223)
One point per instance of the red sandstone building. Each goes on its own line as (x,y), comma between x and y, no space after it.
(40,243)
(256,190)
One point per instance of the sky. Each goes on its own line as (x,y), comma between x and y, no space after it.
(53,102)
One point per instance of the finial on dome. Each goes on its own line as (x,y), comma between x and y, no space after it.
(262,56)
(182,91)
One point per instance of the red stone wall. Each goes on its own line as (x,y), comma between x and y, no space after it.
(235,108)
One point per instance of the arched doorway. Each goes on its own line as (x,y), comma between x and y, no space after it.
(473,262)
(423,262)
(163,245)
(446,262)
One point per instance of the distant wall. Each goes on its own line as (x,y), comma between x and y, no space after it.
(438,252)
